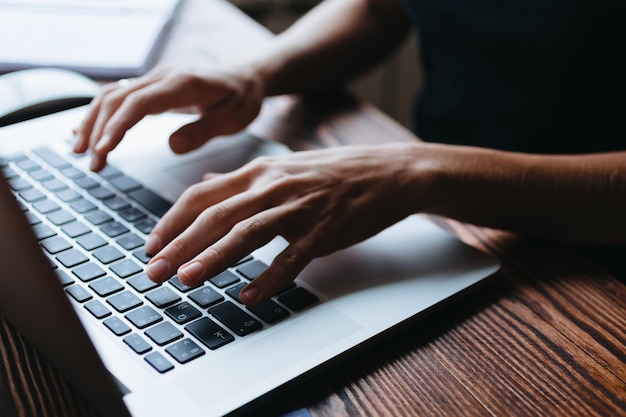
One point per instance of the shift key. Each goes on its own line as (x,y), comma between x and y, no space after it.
(235,318)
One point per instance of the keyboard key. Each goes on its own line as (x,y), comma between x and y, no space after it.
(163,297)
(98,217)
(46,206)
(141,283)
(82,206)
(235,318)
(234,292)
(132,214)
(75,229)
(269,311)
(151,201)
(125,268)
(124,301)
(98,309)
(117,326)
(183,312)
(41,175)
(19,184)
(91,241)
(297,299)
(252,270)
(143,317)
(137,343)
(78,293)
(68,195)
(88,272)
(86,182)
(64,279)
(31,195)
(163,333)
(184,351)
(130,242)
(55,245)
(101,193)
(72,173)
(54,185)
(42,231)
(116,203)
(125,183)
(179,285)
(108,254)
(209,333)
(32,218)
(145,226)
(71,258)
(109,172)
(206,297)
(142,256)
(224,279)
(106,286)
(51,157)
(114,229)
(159,362)
(27,164)
(60,217)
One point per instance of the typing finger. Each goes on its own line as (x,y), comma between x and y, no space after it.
(189,205)
(283,270)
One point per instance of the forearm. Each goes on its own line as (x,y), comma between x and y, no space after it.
(333,43)
(569,198)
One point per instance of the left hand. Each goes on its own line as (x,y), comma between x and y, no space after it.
(319,201)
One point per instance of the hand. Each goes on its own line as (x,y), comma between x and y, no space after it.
(226,102)
(319,201)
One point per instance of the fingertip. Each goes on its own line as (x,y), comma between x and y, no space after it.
(157,269)
(250,294)
(191,273)
(153,244)
(180,143)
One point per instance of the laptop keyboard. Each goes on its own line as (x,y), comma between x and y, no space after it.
(93,228)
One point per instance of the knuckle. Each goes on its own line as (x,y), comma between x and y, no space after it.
(249,227)
(180,249)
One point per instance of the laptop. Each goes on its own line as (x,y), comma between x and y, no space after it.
(71,245)
(117,38)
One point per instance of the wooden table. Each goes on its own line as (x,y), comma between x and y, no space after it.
(547,337)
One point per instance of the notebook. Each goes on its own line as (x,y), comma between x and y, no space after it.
(71,244)
(102,39)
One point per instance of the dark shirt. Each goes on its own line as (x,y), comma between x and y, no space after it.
(542,76)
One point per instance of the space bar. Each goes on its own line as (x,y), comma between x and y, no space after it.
(156,204)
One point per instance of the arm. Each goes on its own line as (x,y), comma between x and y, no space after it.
(325,200)
(572,198)
(336,41)
(332,44)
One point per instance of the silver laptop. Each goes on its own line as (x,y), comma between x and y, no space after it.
(137,349)
(117,38)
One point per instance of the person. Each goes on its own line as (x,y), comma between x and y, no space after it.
(519,116)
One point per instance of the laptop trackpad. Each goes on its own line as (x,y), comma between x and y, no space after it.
(289,349)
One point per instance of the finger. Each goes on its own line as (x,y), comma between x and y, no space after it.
(210,226)
(220,121)
(190,204)
(240,241)
(283,270)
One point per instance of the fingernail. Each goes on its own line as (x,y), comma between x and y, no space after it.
(191,273)
(102,143)
(153,244)
(249,294)
(157,269)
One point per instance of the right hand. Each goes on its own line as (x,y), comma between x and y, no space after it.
(225,100)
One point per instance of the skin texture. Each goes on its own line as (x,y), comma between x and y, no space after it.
(325,200)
